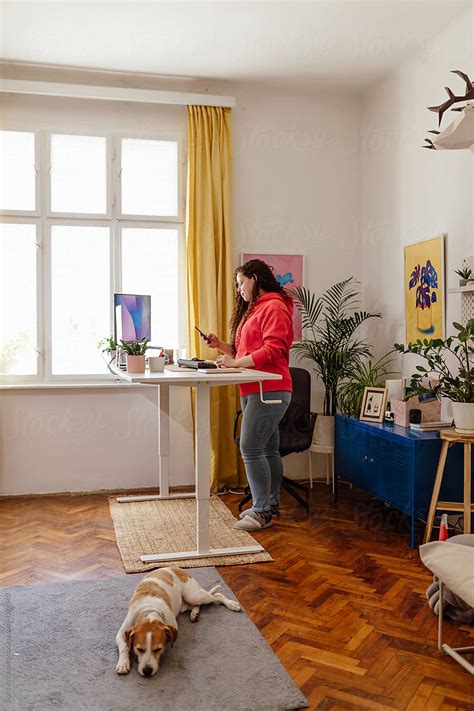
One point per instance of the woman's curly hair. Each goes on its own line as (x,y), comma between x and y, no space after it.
(264,280)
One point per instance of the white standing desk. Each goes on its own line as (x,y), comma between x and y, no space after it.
(203,383)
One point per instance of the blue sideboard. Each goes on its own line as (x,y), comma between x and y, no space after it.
(396,464)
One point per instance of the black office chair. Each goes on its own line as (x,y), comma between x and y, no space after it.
(296,433)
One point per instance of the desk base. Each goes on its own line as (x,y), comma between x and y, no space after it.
(211,553)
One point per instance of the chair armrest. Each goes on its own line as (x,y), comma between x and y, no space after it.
(236,423)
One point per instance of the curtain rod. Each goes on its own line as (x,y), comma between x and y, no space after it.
(113,93)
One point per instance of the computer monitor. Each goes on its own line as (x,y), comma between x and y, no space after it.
(132,317)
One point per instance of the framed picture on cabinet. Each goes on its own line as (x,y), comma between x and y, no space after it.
(373,405)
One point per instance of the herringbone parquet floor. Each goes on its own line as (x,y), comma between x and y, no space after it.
(343,604)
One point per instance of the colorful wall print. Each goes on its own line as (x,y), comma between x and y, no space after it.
(288,270)
(424,290)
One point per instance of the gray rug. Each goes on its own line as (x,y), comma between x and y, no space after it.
(57,651)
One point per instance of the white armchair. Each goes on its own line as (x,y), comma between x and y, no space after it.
(453,565)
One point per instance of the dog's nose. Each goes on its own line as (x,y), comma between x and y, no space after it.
(147,671)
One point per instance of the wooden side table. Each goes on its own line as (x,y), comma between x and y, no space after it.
(449,438)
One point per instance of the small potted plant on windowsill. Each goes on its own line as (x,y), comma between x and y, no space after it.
(455,384)
(109,347)
(135,351)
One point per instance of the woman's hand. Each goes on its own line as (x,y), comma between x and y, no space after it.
(226,361)
(213,341)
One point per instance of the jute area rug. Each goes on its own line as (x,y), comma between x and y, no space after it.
(148,527)
(57,651)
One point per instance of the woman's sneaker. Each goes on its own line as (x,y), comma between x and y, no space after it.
(275,511)
(254,521)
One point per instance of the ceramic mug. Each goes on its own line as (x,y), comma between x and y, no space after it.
(157,364)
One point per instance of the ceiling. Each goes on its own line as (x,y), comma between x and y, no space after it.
(332,43)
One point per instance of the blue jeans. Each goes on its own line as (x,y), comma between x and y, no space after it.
(259,443)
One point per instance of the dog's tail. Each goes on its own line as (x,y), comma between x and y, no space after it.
(213,590)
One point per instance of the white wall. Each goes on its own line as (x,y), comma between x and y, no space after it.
(409,193)
(296,168)
(84,440)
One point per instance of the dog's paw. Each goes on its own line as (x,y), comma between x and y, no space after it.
(194,615)
(233,606)
(123,666)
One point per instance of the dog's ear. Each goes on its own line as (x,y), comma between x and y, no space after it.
(129,637)
(171,633)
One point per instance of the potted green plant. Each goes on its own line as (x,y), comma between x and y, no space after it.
(135,351)
(331,321)
(465,273)
(451,362)
(362,374)
(108,346)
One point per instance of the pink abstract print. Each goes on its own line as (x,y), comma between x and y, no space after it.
(288,271)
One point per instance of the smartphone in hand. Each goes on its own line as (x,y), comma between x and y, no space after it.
(202,334)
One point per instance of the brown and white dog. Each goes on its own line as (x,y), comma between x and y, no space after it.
(151,618)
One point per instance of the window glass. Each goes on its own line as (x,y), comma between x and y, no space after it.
(17,170)
(150,266)
(149,177)
(80,297)
(78,174)
(18,312)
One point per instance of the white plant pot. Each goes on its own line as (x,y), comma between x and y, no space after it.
(463,414)
(323,435)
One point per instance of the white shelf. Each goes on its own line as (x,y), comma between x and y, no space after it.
(468,289)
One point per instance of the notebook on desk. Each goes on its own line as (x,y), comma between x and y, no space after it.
(205,366)
(221,371)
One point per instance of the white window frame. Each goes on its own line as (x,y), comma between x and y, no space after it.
(147,225)
(44,220)
(39,346)
(48,341)
(149,218)
(107,215)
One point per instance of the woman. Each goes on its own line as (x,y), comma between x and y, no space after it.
(261,336)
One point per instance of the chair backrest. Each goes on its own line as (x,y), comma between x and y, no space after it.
(296,426)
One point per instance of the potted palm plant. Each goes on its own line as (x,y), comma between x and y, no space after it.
(135,351)
(451,362)
(362,374)
(330,322)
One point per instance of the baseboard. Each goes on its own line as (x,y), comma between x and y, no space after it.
(110,492)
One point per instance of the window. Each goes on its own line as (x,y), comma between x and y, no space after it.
(82,217)
(18,298)
(17,171)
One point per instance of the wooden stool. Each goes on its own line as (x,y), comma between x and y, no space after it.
(451,437)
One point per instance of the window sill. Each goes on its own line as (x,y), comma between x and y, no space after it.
(98,385)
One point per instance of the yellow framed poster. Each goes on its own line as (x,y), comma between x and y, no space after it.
(424,290)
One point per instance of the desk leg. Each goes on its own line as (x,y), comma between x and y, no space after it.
(163,402)
(467,487)
(203,465)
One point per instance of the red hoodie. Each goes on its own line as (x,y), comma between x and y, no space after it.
(267,335)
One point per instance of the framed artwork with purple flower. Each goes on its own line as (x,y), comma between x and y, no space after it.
(288,271)
(424,290)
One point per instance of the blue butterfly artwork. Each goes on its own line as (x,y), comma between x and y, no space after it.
(285,279)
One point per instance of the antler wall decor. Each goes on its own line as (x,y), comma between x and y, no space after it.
(460,133)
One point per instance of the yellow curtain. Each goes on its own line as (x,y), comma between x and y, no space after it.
(210,272)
